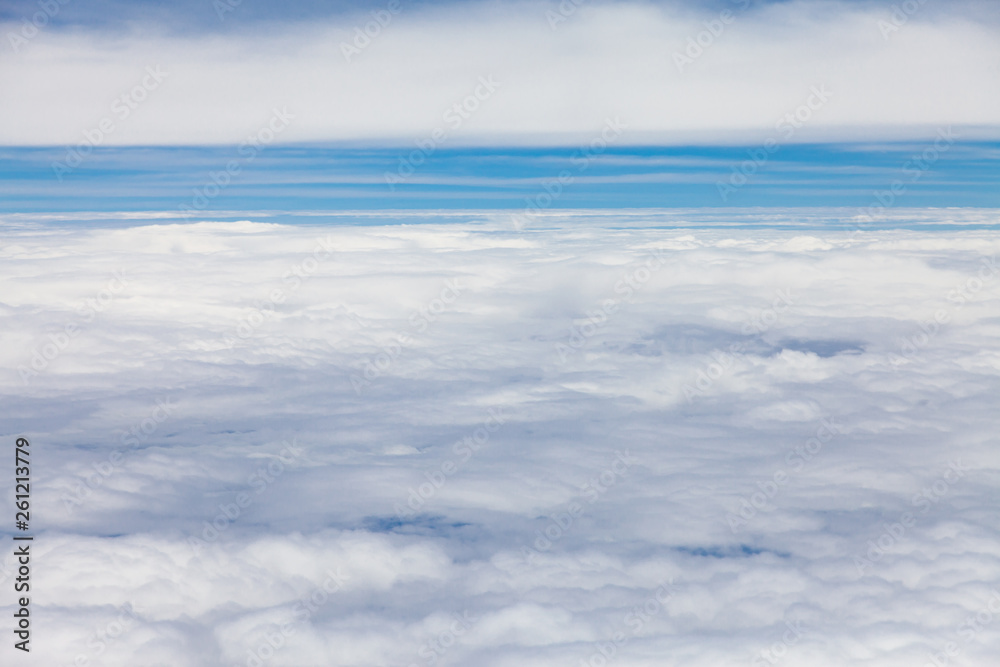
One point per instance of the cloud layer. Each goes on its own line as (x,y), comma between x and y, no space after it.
(414,444)
(671,72)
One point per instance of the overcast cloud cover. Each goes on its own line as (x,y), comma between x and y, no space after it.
(437,345)
(655,382)
(674,71)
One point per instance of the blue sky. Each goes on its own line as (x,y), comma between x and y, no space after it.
(308,177)
(134,106)
(202,15)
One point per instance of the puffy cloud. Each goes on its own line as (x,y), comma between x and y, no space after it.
(468,443)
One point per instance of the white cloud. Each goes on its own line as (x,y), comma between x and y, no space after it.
(604,61)
(539,536)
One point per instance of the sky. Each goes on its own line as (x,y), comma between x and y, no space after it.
(187,181)
(217,79)
(563,334)
(145,106)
